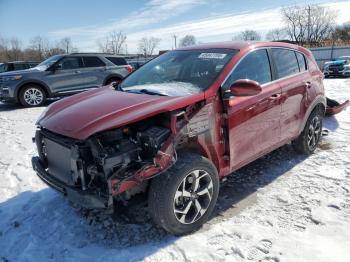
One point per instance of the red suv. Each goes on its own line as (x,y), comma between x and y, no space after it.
(178,125)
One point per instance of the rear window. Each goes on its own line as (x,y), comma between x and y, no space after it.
(117,60)
(301,61)
(92,61)
(286,62)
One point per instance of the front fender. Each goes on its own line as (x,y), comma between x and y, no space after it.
(32,81)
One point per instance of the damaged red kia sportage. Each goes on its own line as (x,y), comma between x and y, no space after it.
(178,125)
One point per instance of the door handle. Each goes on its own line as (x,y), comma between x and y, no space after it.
(275,97)
(77,72)
(307,84)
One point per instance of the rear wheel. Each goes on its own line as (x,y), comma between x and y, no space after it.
(32,95)
(183,198)
(307,141)
(114,79)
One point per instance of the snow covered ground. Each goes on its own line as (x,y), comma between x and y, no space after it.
(282,207)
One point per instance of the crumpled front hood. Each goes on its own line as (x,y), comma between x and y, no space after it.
(87,113)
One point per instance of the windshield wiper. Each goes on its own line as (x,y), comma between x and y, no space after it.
(143,91)
(149,92)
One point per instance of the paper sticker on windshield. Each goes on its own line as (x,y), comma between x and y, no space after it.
(212,56)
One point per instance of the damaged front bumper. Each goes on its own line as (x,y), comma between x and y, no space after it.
(84,198)
(334,107)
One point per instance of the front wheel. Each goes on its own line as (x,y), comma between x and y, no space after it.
(32,95)
(183,198)
(307,141)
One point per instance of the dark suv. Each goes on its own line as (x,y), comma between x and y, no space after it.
(16,65)
(62,75)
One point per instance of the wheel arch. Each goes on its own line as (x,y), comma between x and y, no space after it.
(33,82)
(110,77)
(319,102)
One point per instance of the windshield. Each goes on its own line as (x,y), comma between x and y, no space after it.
(179,73)
(48,62)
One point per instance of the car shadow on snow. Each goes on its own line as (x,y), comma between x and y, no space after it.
(331,123)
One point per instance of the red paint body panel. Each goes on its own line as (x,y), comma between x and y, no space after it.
(240,129)
(85,114)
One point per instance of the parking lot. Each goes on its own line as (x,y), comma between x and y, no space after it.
(282,207)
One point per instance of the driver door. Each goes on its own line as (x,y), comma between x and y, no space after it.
(253,121)
(68,76)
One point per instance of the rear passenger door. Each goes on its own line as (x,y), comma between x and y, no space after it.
(253,121)
(295,81)
(94,71)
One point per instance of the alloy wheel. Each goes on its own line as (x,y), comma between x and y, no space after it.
(314,132)
(193,196)
(33,96)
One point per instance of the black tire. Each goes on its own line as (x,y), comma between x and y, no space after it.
(164,205)
(307,141)
(113,79)
(38,98)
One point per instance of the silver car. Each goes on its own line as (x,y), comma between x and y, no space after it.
(62,75)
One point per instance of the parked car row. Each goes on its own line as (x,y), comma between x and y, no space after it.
(16,65)
(339,67)
(62,75)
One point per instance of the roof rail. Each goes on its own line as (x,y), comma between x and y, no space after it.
(95,53)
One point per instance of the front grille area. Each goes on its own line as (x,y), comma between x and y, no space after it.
(336,67)
(58,161)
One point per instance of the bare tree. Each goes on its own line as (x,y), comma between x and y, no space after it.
(116,41)
(148,45)
(310,24)
(40,45)
(248,35)
(188,40)
(66,45)
(342,33)
(103,45)
(276,34)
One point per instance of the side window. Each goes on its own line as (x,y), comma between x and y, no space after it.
(255,66)
(10,67)
(92,61)
(70,63)
(301,61)
(117,60)
(285,61)
(19,66)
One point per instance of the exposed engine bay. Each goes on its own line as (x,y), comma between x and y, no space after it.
(90,165)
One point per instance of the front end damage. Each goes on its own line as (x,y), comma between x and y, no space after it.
(110,165)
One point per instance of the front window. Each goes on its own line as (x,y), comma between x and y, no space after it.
(179,73)
(255,66)
(48,62)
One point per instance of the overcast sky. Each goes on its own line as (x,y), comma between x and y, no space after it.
(86,21)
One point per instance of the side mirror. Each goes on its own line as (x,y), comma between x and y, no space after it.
(56,67)
(245,87)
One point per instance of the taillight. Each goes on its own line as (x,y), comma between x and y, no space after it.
(129,68)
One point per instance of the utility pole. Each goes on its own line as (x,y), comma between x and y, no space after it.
(175,36)
(308,24)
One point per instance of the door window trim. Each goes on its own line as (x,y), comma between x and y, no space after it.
(272,63)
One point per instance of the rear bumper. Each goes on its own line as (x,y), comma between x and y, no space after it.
(78,196)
